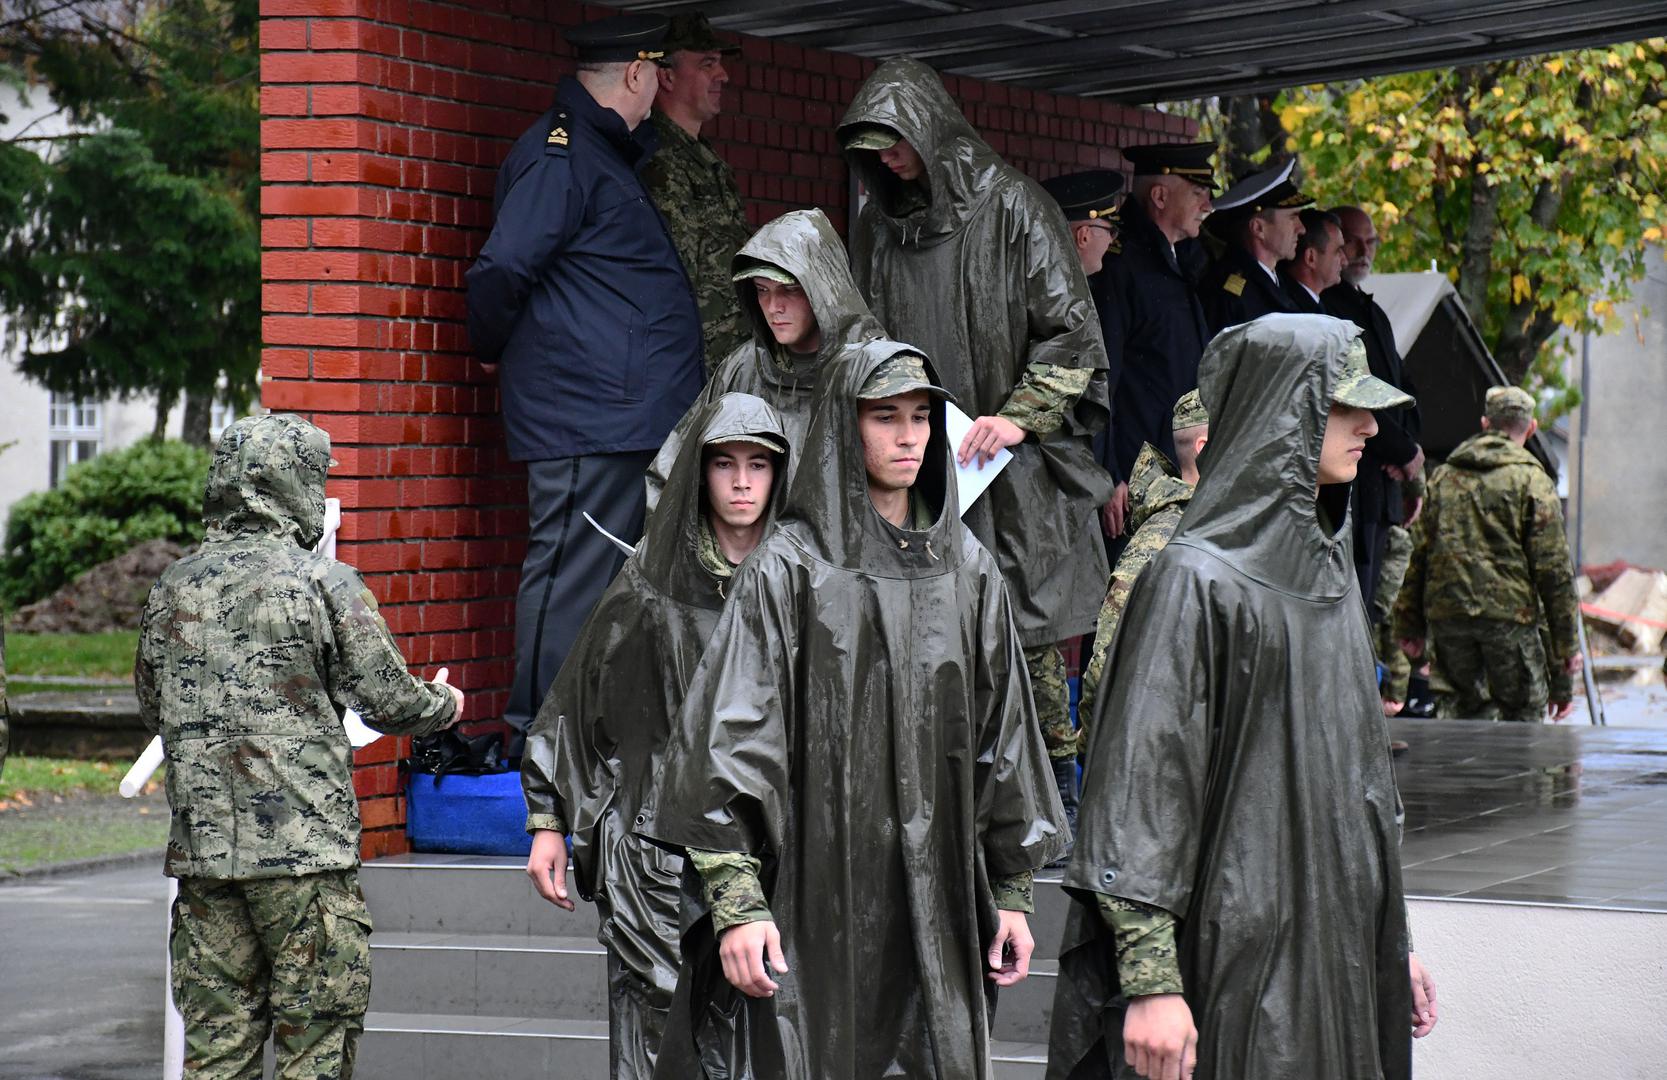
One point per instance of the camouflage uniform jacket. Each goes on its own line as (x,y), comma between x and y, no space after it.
(248,651)
(1157,498)
(1490,545)
(697,195)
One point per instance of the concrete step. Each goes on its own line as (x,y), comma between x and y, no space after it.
(556,978)
(437,1046)
(466,894)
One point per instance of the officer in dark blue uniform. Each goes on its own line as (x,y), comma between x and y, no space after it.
(1259,220)
(1148,303)
(580,300)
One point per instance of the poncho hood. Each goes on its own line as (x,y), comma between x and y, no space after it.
(267,479)
(804,244)
(1154,484)
(829,512)
(1489,451)
(909,97)
(667,555)
(1267,386)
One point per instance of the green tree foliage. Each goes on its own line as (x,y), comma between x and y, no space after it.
(104,507)
(1534,183)
(130,261)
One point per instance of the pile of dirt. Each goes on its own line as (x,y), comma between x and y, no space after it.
(110,596)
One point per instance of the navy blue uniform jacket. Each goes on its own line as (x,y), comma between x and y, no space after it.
(579,293)
(1155,334)
(1258,294)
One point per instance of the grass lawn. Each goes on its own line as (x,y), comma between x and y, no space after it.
(53,810)
(28,779)
(98,656)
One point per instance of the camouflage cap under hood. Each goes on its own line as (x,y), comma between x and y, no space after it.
(267,479)
(1267,385)
(909,98)
(804,243)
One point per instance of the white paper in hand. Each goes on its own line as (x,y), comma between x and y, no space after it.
(970,479)
(616,541)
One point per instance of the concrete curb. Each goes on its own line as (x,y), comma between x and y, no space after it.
(85,866)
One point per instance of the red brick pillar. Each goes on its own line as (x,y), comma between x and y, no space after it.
(382,127)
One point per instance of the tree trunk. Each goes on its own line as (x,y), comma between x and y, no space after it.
(199,410)
(1482,224)
(164,406)
(1251,126)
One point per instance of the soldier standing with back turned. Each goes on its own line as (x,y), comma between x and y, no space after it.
(692,186)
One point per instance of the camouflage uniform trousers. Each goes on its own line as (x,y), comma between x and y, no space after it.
(1052,695)
(1392,572)
(1492,669)
(287,956)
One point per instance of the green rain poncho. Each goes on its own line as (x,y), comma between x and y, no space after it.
(1238,774)
(975,265)
(804,244)
(861,723)
(599,737)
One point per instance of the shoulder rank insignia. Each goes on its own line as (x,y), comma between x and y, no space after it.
(557,139)
(1234,284)
(558,136)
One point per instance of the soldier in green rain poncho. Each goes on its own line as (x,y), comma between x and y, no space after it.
(856,773)
(598,739)
(1237,878)
(971,260)
(795,266)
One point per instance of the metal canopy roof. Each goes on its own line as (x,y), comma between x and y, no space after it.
(1143,50)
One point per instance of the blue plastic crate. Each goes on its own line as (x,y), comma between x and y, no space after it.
(468,815)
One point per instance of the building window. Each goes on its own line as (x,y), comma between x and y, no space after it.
(76,431)
(220,417)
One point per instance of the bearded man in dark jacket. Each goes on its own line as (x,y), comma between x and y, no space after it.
(1237,876)
(971,260)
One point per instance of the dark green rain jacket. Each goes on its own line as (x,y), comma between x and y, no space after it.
(862,723)
(1238,774)
(600,736)
(985,279)
(249,650)
(804,244)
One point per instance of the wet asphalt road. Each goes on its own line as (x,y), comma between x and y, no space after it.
(81,975)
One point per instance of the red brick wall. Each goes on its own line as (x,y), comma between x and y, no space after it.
(382,124)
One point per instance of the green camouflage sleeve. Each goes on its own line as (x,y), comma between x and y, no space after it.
(1044,395)
(552,822)
(1145,543)
(733,891)
(1548,554)
(1409,604)
(144,680)
(1145,939)
(1016,893)
(367,672)
(1559,683)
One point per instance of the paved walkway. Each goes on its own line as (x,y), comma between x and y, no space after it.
(81,970)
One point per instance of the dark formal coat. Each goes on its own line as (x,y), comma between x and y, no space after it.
(1238,772)
(578,293)
(1154,331)
(1238,289)
(984,277)
(862,723)
(1299,296)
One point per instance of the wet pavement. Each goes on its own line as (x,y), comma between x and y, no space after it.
(1560,814)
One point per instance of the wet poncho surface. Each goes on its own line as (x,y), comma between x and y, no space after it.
(1239,772)
(862,724)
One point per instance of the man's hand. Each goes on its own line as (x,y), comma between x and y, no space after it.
(547,866)
(1393,708)
(1423,998)
(743,951)
(1009,955)
(987,435)
(456,695)
(1114,513)
(1574,664)
(1159,1039)
(1559,710)
(490,369)
(1413,646)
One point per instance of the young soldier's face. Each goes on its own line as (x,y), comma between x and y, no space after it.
(895,431)
(903,159)
(1346,432)
(787,309)
(739,476)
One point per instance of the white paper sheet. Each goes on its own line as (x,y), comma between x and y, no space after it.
(970,479)
(616,541)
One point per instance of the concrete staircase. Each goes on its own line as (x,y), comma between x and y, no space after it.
(475,976)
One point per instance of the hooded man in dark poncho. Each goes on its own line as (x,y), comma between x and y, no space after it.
(1238,859)
(793,261)
(598,740)
(857,773)
(965,256)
